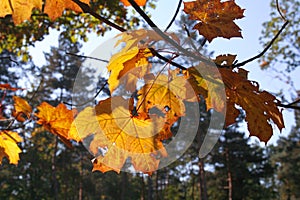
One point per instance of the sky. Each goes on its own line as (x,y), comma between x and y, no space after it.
(257,12)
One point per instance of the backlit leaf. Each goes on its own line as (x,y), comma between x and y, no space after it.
(21,9)
(9,147)
(216,18)
(121,135)
(57,120)
(129,65)
(260,106)
(21,107)
(55,8)
(138,2)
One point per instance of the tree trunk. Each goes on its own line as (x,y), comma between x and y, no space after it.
(142,188)
(53,168)
(229,177)
(150,188)
(123,185)
(202,180)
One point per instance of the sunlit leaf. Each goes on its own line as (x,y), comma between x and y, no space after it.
(260,106)
(130,66)
(57,120)
(138,2)
(9,147)
(216,18)
(21,107)
(121,133)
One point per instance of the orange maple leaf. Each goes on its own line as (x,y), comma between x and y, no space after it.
(57,120)
(9,147)
(216,18)
(7,86)
(138,2)
(21,9)
(21,107)
(121,135)
(55,8)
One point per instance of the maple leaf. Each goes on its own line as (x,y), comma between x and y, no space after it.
(163,92)
(7,86)
(9,147)
(21,107)
(216,18)
(260,106)
(21,9)
(55,8)
(208,81)
(122,134)
(225,60)
(57,120)
(131,65)
(138,2)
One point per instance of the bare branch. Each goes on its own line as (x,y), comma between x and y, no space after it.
(86,8)
(88,101)
(166,37)
(10,59)
(175,15)
(89,57)
(265,50)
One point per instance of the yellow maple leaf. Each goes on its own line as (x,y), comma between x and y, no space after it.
(9,147)
(216,18)
(21,107)
(130,66)
(21,9)
(122,134)
(210,85)
(57,120)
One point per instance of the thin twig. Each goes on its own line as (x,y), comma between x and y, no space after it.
(288,106)
(89,57)
(265,50)
(86,8)
(175,15)
(166,37)
(90,100)
(10,59)
(279,10)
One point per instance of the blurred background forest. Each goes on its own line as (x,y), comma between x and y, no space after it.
(237,168)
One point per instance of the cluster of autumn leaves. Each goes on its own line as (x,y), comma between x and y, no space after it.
(126,128)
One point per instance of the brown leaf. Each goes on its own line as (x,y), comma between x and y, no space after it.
(260,106)
(216,18)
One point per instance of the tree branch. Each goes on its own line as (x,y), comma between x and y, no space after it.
(9,58)
(175,15)
(89,57)
(86,8)
(166,37)
(265,50)
(288,106)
